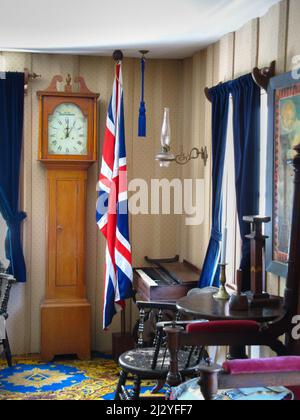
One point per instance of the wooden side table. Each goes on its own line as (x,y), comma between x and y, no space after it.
(204,306)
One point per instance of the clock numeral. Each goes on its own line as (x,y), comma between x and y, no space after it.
(59,149)
(67,150)
(79,143)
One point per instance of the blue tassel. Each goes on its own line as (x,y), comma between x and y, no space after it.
(142,132)
(142,120)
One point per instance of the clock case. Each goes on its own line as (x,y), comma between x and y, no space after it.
(66,311)
(86,100)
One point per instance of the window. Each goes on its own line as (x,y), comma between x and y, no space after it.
(230,217)
(263,152)
(3,232)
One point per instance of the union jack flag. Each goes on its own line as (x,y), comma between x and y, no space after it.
(112,208)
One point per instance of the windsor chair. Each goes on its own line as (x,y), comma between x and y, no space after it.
(151,362)
(6,282)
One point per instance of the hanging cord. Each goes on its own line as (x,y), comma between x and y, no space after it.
(142,124)
(143,61)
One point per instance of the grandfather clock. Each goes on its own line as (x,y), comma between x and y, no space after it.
(67,148)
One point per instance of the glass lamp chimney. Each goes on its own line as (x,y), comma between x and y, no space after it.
(166,129)
(165,156)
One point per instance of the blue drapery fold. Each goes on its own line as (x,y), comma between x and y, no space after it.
(11,137)
(246,97)
(210,275)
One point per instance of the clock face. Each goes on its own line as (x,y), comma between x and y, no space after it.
(67,131)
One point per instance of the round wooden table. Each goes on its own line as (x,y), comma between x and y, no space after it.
(205,306)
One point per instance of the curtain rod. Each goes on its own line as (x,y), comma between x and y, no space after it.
(260,76)
(28,77)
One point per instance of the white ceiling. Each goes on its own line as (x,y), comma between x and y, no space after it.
(169,28)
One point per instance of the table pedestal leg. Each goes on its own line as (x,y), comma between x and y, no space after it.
(237,353)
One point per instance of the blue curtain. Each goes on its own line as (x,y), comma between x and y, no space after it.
(220,106)
(246,126)
(11,136)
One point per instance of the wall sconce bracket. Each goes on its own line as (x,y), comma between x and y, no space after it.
(195,153)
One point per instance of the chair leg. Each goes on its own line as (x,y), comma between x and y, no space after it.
(203,355)
(237,353)
(209,385)
(136,388)
(7,351)
(121,383)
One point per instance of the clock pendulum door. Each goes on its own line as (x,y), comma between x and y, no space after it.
(66,312)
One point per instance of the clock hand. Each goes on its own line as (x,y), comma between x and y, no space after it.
(66,133)
(72,127)
(67,129)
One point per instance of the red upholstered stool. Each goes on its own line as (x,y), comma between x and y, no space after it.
(223,327)
(272,365)
(265,366)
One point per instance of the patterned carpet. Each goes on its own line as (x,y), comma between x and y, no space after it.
(30,379)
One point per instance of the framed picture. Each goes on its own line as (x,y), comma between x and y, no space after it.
(283,136)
